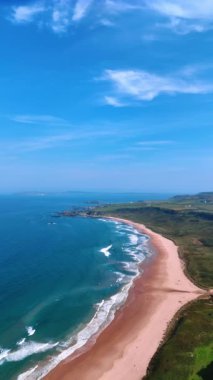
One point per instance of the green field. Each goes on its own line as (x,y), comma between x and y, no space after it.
(187,353)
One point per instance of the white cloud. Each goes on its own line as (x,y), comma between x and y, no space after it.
(26,13)
(106,22)
(55,14)
(112,101)
(53,141)
(117,6)
(155,142)
(43,143)
(34,144)
(181,26)
(80,9)
(38,119)
(60,15)
(145,86)
(185,15)
(150,145)
(186,9)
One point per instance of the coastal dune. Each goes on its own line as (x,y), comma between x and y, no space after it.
(124,349)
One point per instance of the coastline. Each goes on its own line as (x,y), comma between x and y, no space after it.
(124,349)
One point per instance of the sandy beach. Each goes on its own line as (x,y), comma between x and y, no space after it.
(124,349)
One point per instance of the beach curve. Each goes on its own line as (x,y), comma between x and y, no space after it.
(124,349)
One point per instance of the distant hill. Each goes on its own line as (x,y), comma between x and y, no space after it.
(205,197)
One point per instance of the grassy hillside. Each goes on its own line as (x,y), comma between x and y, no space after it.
(188,351)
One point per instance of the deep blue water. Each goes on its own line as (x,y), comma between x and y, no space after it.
(57,287)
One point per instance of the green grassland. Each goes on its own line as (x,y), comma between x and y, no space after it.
(187,353)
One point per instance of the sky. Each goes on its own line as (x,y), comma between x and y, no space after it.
(107,95)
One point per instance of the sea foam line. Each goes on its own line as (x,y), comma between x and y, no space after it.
(103,317)
(25,375)
(25,350)
(104,314)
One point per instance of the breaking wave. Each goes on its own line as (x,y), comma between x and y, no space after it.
(106,251)
(30,330)
(135,250)
(27,349)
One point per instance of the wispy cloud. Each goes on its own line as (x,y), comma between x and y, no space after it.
(58,15)
(27,13)
(38,119)
(112,101)
(185,16)
(106,22)
(81,8)
(151,145)
(155,142)
(34,143)
(190,9)
(53,141)
(42,143)
(144,86)
(117,6)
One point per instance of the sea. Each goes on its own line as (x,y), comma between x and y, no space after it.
(61,279)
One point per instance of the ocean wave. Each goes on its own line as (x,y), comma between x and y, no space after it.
(109,221)
(104,315)
(25,375)
(105,251)
(131,267)
(122,227)
(3,354)
(123,278)
(21,341)
(30,330)
(27,349)
(134,239)
(106,309)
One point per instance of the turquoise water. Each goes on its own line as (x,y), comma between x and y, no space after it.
(61,279)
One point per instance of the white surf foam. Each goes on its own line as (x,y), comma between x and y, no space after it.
(104,315)
(3,355)
(20,342)
(133,239)
(30,330)
(131,267)
(27,349)
(122,278)
(106,309)
(109,221)
(25,375)
(105,251)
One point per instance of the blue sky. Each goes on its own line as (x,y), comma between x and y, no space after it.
(106,95)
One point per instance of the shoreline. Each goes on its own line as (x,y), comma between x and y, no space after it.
(123,350)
